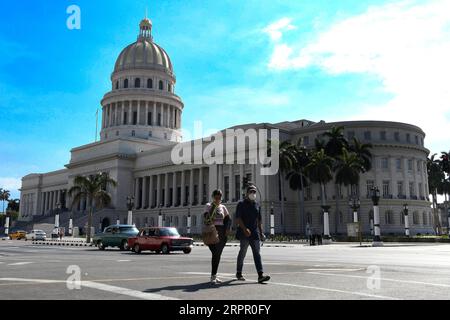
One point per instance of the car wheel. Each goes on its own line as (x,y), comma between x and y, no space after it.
(187,251)
(100,245)
(137,249)
(165,249)
(124,245)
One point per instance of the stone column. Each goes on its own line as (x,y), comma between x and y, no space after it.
(122,113)
(138,112)
(183,188)
(175,189)
(166,188)
(130,112)
(158,190)
(200,186)
(191,186)
(150,199)
(155,119)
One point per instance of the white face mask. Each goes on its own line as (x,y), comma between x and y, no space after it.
(252,196)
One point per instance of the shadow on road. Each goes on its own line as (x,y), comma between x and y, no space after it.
(195,287)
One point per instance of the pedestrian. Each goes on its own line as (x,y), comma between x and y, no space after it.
(217,214)
(248,220)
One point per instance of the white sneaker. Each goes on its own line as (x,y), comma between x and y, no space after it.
(215,280)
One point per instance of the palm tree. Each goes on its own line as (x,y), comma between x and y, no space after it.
(4,196)
(445,162)
(13,205)
(348,168)
(363,152)
(93,189)
(297,176)
(335,142)
(435,177)
(319,171)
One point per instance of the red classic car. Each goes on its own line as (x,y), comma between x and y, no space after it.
(160,240)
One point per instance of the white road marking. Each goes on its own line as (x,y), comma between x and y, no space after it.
(102,287)
(123,260)
(20,263)
(336,269)
(324,289)
(206,273)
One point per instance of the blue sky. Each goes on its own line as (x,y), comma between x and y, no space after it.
(235,61)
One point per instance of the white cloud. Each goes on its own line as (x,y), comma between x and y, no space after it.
(11,184)
(276,29)
(406,45)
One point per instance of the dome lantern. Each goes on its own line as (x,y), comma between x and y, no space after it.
(145,29)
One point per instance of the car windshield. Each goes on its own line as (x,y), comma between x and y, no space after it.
(129,230)
(169,232)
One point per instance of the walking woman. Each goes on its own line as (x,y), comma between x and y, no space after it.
(217,214)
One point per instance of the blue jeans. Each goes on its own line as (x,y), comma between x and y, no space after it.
(256,246)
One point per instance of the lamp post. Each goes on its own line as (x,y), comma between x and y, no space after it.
(189,221)
(376,218)
(118,220)
(405,211)
(130,205)
(7,222)
(448,219)
(58,209)
(272,220)
(160,217)
(71,224)
(326,225)
(354,204)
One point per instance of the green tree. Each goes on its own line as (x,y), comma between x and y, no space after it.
(435,177)
(319,170)
(93,188)
(4,196)
(363,151)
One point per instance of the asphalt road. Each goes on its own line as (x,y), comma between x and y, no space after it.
(338,271)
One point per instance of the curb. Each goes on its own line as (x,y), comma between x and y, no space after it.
(237,245)
(71,244)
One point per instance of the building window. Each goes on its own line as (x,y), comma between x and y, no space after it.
(117,85)
(402,217)
(369,185)
(306,141)
(227,189)
(125,120)
(194,221)
(350,135)
(424,218)
(386,189)
(368,135)
(237,187)
(308,193)
(397,136)
(125,83)
(341,218)
(420,189)
(117,133)
(400,189)
(133,133)
(421,142)
(410,165)
(149,118)
(309,218)
(169,87)
(416,219)
(419,166)
(150,83)
(389,217)
(383,135)
(408,138)
(137,83)
(161,85)
(159,119)
(384,163)
(135,117)
(412,191)
(416,139)
(398,164)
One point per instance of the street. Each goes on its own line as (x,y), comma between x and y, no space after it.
(337,271)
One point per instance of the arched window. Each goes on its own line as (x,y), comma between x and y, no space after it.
(125,83)
(161,85)
(137,83)
(150,83)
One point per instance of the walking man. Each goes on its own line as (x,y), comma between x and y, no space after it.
(249,231)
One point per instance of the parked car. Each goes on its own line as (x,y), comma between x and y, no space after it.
(17,235)
(115,236)
(159,239)
(36,235)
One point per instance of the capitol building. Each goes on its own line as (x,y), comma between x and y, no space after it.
(141,124)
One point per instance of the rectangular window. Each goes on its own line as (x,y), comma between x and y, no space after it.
(308,193)
(149,118)
(398,163)
(226,196)
(368,135)
(159,119)
(125,118)
(408,137)
(410,165)
(416,139)
(384,163)
(386,188)
(420,189)
(187,193)
(397,136)
(383,135)
(237,187)
(412,191)
(178,196)
(306,141)
(135,117)
(369,185)
(400,188)
(419,166)
(195,194)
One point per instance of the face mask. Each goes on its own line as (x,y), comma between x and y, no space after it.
(252,196)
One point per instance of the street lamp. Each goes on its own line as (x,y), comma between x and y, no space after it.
(58,209)
(354,204)
(376,218)
(71,224)
(405,211)
(130,205)
(189,221)
(272,220)
(118,220)
(326,225)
